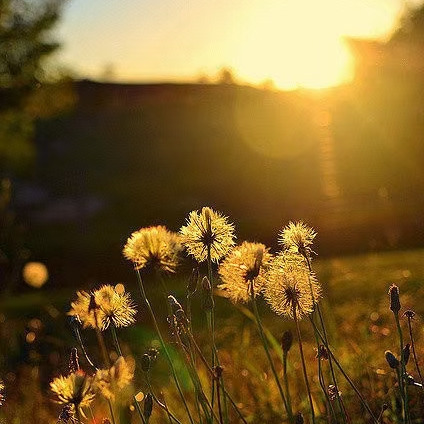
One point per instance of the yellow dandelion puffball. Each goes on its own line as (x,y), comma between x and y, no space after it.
(154,247)
(75,389)
(207,231)
(104,307)
(35,274)
(246,264)
(297,236)
(110,381)
(291,290)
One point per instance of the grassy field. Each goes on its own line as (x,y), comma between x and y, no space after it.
(36,340)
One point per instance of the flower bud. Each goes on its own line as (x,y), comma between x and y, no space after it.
(299,418)
(406,353)
(207,299)
(148,405)
(391,359)
(394,298)
(286,341)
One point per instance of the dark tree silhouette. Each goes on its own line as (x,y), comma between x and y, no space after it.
(25,43)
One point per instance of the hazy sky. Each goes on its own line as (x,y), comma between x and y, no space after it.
(178,39)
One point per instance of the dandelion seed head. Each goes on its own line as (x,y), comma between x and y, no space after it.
(75,389)
(246,265)
(117,308)
(104,307)
(207,230)
(298,237)
(154,248)
(288,289)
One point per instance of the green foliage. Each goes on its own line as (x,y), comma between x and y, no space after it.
(25,43)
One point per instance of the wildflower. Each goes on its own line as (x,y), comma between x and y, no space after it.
(391,359)
(155,248)
(104,307)
(297,236)
(35,274)
(74,389)
(207,231)
(394,298)
(110,381)
(244,270)
(291,289)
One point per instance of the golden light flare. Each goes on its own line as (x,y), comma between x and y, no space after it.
(297,44)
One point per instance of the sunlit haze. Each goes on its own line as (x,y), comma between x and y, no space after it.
(294,43)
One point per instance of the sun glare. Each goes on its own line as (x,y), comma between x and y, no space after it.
(297,44)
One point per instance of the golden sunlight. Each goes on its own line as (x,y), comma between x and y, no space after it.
(298,44)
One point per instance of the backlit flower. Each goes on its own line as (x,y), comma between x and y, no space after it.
(297,236)
(74,389)
(207,231)
(154,247)
(246,265)
(104,307)
(288,289)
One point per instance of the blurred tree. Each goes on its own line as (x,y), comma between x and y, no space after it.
(226,76)
(25,89)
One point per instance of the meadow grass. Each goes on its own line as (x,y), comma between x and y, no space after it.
(358,320)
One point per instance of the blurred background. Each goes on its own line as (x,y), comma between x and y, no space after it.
(118,115)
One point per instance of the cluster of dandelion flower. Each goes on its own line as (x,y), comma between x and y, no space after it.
(75,390)
(291,290)
(111,381)
(154,248)
(207,233)
(104,307)
(244,270)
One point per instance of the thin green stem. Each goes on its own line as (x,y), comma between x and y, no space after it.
(162,342)
(305,375)
(268,355)
(118,349)
(209,369)
(403,383)
(330,362)
(347,378)
(417,367)
(111,411)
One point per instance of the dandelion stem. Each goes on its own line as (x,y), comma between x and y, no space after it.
(82,347)
(413,352)
(78,414)
(324,331)
(207,366)
(112,415)
(402,382)
(305,375)
(118,348)
(348,379)
(162,342)
(287,406)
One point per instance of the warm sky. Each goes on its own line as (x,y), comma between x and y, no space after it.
(293,42)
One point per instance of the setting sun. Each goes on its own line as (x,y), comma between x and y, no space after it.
(297,44)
